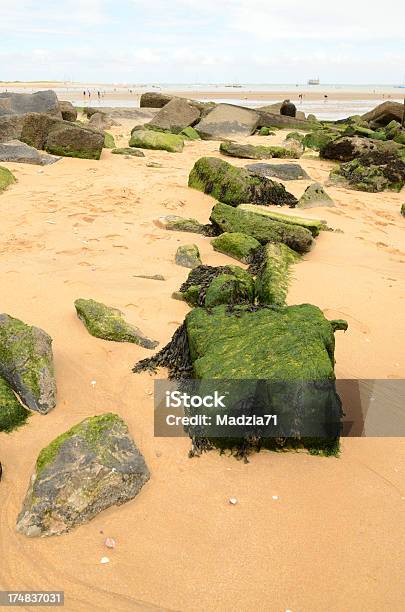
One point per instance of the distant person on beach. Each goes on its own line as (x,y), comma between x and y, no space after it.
(300,97)
(98,95)
(325,98)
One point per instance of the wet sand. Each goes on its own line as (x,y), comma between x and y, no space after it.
(331,541)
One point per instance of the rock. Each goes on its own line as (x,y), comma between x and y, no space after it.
(403,210)
(69,113)
(20,104)
(19,152)
(288,109)
(315,226)
(285,172)
(10,127)
(12,413)
(109,324)
(190,133)
(180,224)
(347,148)
(91,467)
(357,130)
(101,122)
(272,273)
(128,151)
(175,116)
(256,152)
(209,286)
(188,255)
(298,136)
(275,120)
(236,244)
(318,139)
(385,113)
(235,186)
(109,142)
(227,120)
(69,140)
(276,109)
(37,127)
(148,139)
(265,131)
(154,99)
(7,178)
(26,363)
(315,196)
(262,227)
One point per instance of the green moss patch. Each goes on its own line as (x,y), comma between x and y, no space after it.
(12,413)
(150,139)
(7,178)
(236,244)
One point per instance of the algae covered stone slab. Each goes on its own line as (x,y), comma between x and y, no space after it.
(7,178)
(285,172)
(188,255)
(313,225)
(26,363)
(256,152)
(149,139)
(315,196)
(12,413)
(108,323)
(91,467)
(272,276)
(181,224)
(261,227)
(235,186)
(128,151)
(236,244)
(69,140)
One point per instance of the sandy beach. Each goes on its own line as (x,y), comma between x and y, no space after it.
(330,541)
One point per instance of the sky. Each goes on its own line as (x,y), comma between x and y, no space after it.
(203,41)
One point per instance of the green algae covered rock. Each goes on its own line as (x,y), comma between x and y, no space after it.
(190,133)
(374,171)
(235,186)
(314,196)
(298,136)
(315,226)
(109,142)
(26,363)
(198,285)
(69,140)
(109,324)
(236,244)
(272,273)
(358,130)
(91,467)
(320,138)
(265,131)
(149,139)
(188,255)
(12,413)
(7,178)
(261,227)
(128,151)
(181,224)
(256,152)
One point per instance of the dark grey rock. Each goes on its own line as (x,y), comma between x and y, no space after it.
(285,172)
(19,152)
(69,113)
(227,120)
(20,104)
(175,116)
(11,127)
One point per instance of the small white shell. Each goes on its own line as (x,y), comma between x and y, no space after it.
(104,560)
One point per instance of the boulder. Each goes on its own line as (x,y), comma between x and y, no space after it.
(227,120)
(12,413)
(265,131)
(140,115)
(109,142)
(285,172)
(235,186)
(203,289)
(347,148)
(237,245)
(315,196)
(128,151)
(262,227)
(276,109)
(26,363)
(315,226)
(101,122)
(318,139)
(109,324)
(7,178)
(37,127)
(272,273)
(190,133)
(20,104)
(175,116)
(288,109)
(69,112)
(19,152)
(272,120)
(154,99)
(180,224)
(249,151)
(188,256)
(149,139)
(385,113)
(10,127)
(91,467)
(70,140)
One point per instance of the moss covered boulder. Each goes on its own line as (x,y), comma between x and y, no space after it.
(26,363)
(188,256)
(12,413)
(109,142)
(7,178)
(347,148)
(272,273)
(285,172)
(262,227)
(128,151)
(109,323)
(256,152)
(181,224)
(235,286)
(235,186)
(91,467)
(313,225)
(320,138)
(69,140)
(314,196)
(189,133)
(236,244)
(149,139)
